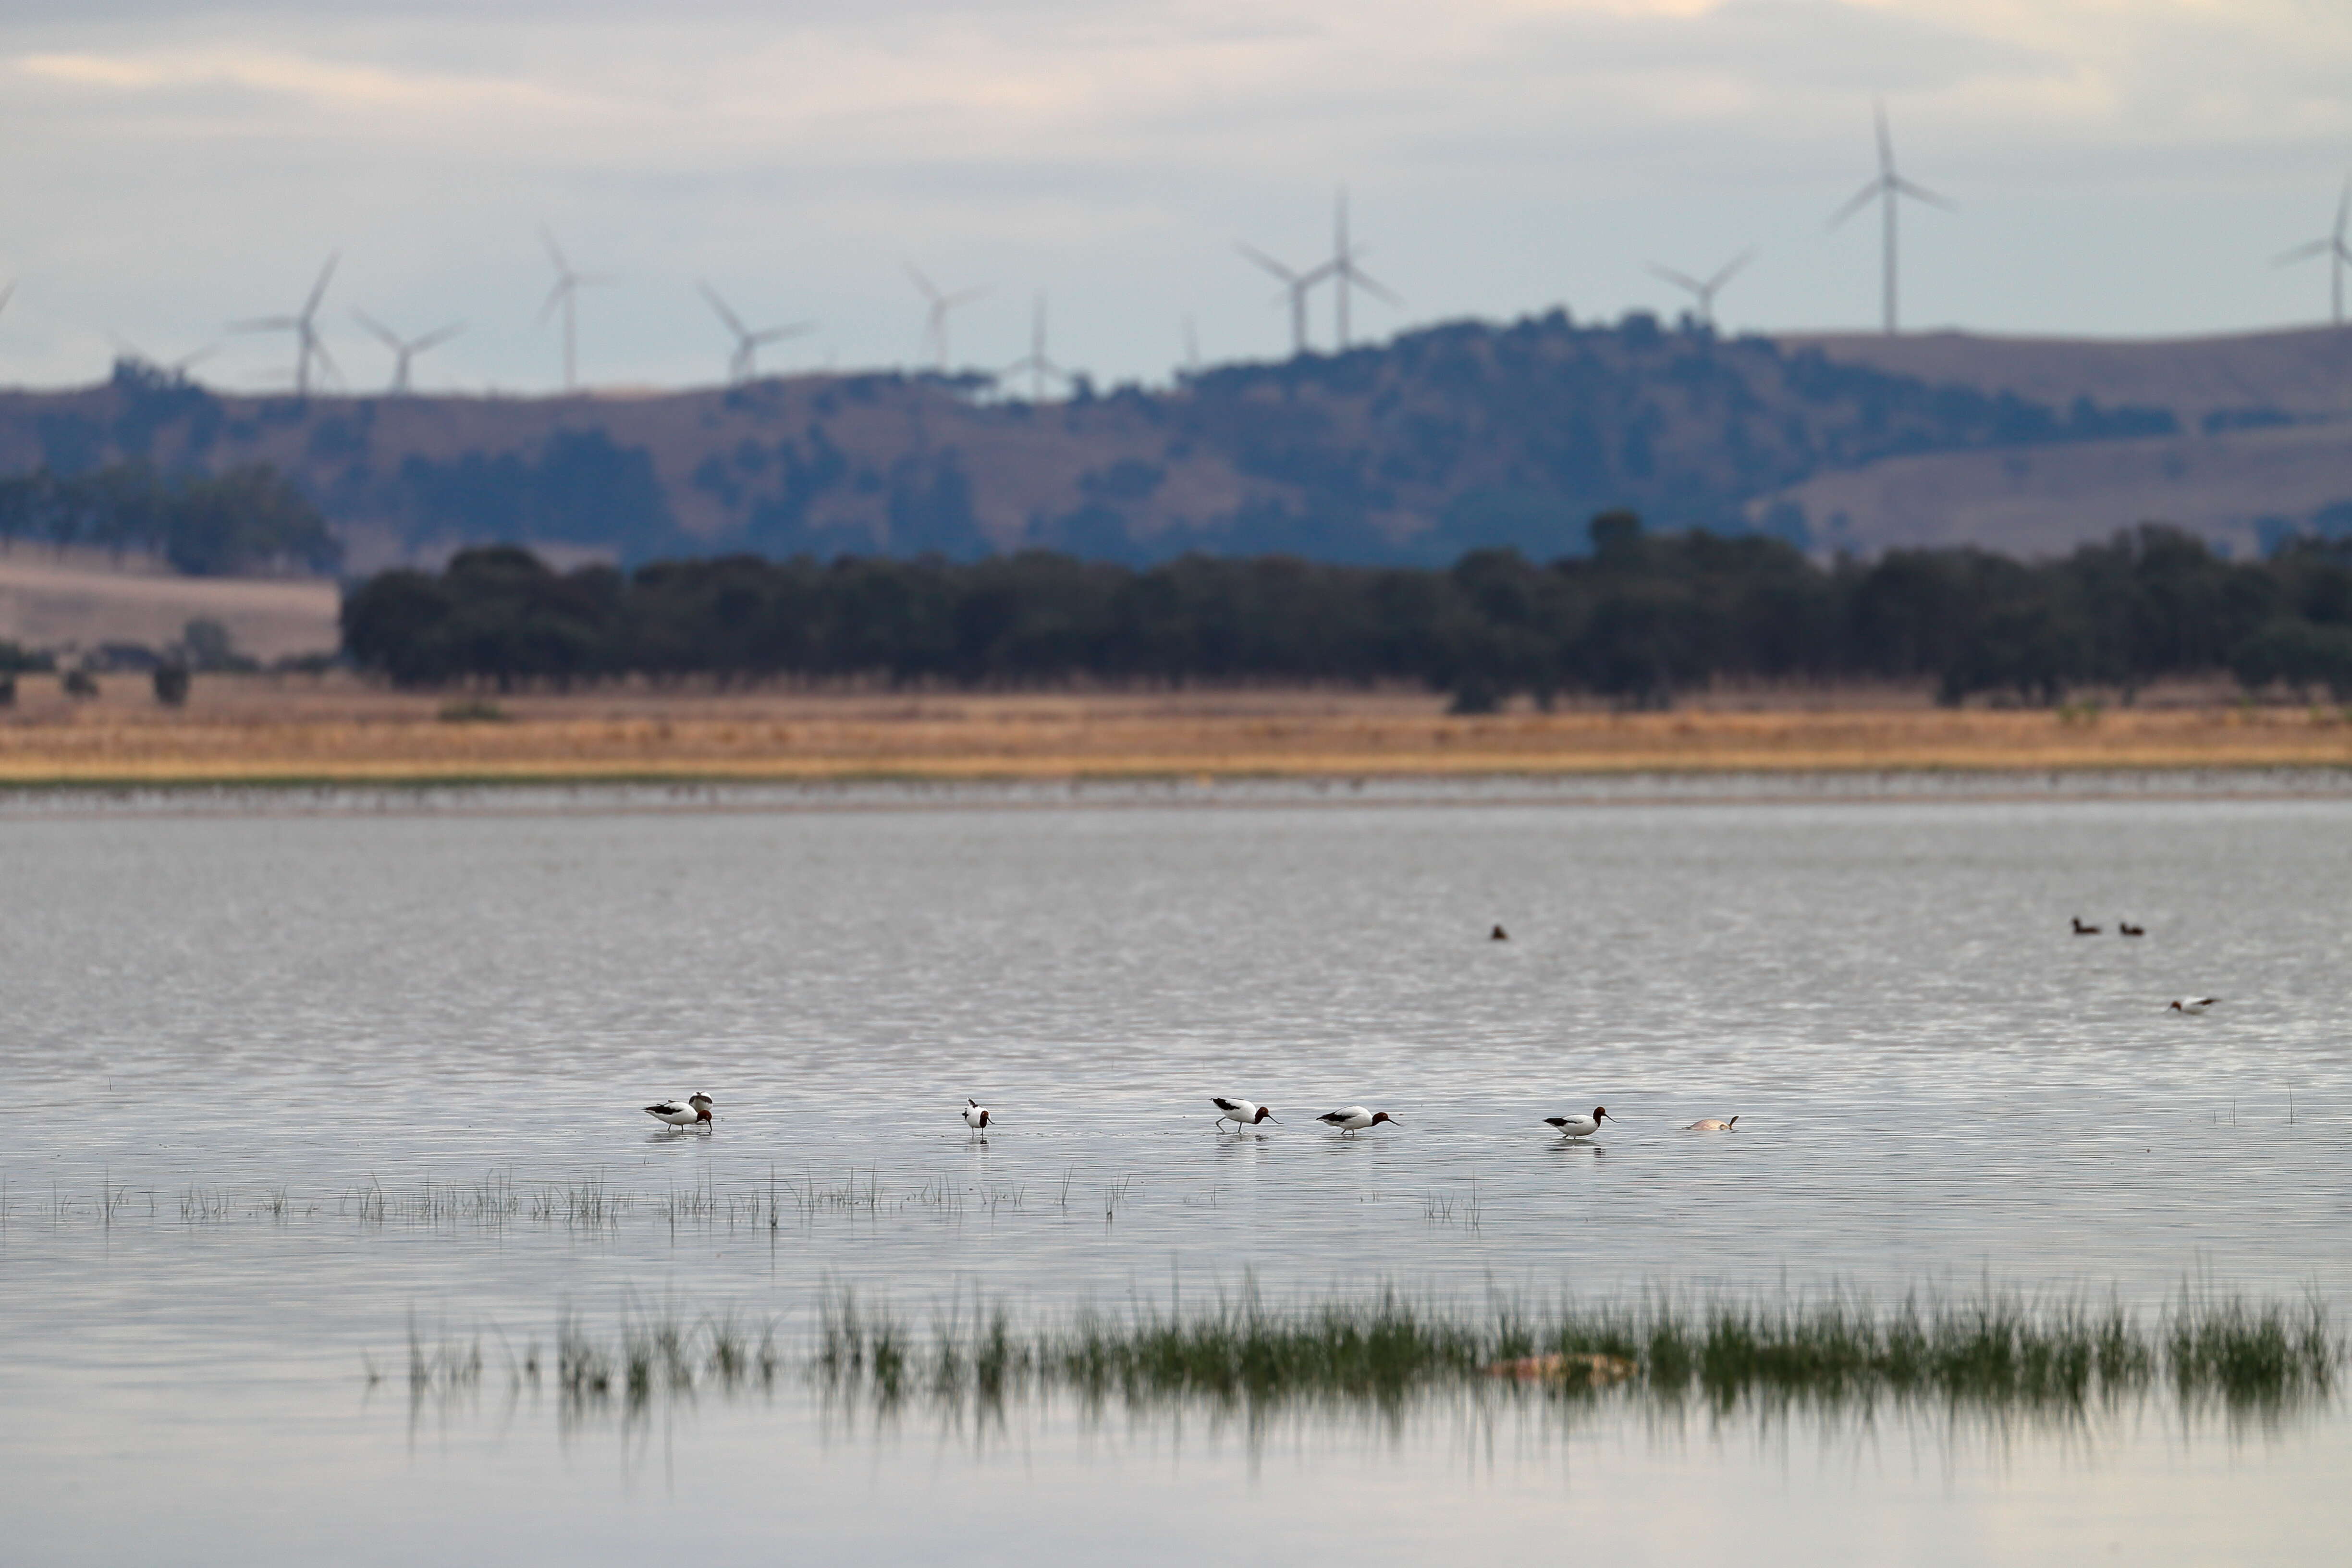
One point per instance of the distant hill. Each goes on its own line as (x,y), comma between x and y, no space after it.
(1453,436)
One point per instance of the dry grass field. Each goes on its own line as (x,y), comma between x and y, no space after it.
(288,729)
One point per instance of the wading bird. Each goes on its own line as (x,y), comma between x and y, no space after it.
(1711,1124)
(1355,1119)
(694,1111)
(1579,1126)
(975,1115)
(1242,1113)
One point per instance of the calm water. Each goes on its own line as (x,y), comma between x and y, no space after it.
(248,1025)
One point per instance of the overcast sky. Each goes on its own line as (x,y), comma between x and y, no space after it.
(2119,167)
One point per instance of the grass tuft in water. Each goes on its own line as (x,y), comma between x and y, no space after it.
(1994,1350)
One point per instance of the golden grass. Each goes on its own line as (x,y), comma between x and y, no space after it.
(289,729)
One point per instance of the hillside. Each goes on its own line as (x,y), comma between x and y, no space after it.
(1453,436)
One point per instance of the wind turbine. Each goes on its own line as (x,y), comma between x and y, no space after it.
(935,323)
(1295,285)
(1703,292)
(2333,248)
(566,293)
(1888,188)
(305,328)
(743,364)
(1344,270)
(1036,363)
(405,348)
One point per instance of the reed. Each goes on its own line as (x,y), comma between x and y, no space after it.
(1994,1350)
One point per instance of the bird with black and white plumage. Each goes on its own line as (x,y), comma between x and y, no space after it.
(1579,1126)
(1243,1114)
(2191,1004)
(975,1115)
(1355,1119)
(696,1111)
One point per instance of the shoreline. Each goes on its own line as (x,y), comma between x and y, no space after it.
(516,796)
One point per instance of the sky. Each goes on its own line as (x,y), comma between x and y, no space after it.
(2114,168)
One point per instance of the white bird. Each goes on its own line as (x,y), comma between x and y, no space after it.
(1579,1126)
(1355,1119)
(2192,1004)
(975,1115)
(1711,1124)
(1242,1112)
(695,1111)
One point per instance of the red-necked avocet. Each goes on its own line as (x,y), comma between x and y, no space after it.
(975,1115)
(1242,1113)
(1355,1119)
(694,1111)
(1710,1124)
(2192,1004)
(1579,1126)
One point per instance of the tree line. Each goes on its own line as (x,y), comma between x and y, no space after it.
(243,520)
(1639,618)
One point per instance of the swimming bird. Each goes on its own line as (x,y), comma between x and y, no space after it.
(1355,1119)
(1242,1112)
(2124,928)
(1579,1126)
(1498,934)
(2192,1004)
(696,1109)
(975,1115)
(2081,929)
(1710,1124)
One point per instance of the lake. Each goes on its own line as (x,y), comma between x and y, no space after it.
(299,1076)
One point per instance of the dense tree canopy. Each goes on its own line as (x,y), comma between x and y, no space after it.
(243,520)
(1638,618)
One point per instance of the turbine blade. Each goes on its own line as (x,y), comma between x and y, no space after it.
(384,334)
(554,298)
(1862,198)
(1920,193)
(1374,286)
(266,324)
(2303,252)
(1730,269)
(965,297)
(930,292)
(555,253)
(2343,212)
(434,337)
(1679,280)
(1268,262)
(318,290)
(720,305)
(7,294)
(1886,140)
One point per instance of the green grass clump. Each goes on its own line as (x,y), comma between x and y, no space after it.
(1994,1352)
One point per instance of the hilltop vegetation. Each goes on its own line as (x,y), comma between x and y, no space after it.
(1460,436)
(1638,618)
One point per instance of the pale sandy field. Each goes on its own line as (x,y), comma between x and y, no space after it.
(335,728)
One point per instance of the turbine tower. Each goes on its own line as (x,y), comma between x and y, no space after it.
(1887,189)
(1036,362)
(405,350)
(566,293)
(935,322)
(743,364)
(1703,292)
(305,328)
(2333,248)
(1296,286)
(1344,271)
